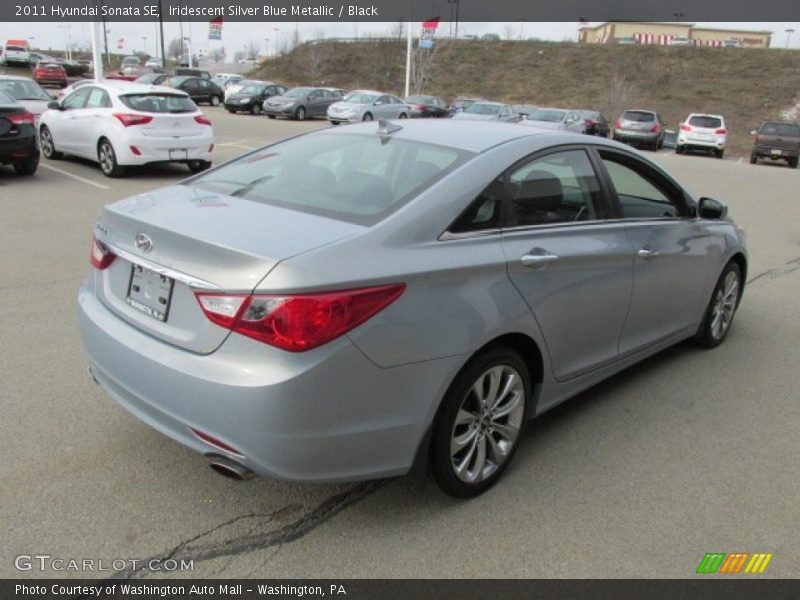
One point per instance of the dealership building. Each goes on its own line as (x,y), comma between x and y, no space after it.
(663,33)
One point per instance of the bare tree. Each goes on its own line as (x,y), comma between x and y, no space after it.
(175,49)
(216,54)
(397,30)
(508,32)
(295,40)
(314,59)
(237,56)
(251,49)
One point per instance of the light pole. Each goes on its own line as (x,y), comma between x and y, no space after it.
(789,33)
(521,25)
(277,31)
(456,2)
(144,44)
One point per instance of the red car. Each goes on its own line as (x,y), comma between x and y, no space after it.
(50,73)
(129,73)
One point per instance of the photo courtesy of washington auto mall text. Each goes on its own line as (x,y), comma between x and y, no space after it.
(413,299)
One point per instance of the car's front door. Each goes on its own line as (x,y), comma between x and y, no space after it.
(66,126)
(571,263)
(90,120)
(670,251)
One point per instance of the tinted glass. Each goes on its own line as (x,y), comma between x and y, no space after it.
(159,103)
(639,196)
(354,178)
(784,129)
(708,122)
(297,92)
(6,99)
(547,115)
(15,49)
(360,98)
(556,188)
(98,99)
(252,89)
(76,99)
(638,116)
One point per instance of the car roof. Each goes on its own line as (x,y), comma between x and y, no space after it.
(14,78)
(642,110)
(473,136)
(705,115)
(131,87)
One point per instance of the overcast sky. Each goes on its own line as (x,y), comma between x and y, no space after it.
(236,34)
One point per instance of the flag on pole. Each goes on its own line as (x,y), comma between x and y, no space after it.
(215,29)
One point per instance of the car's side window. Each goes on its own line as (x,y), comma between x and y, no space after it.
(76,99)
(556,188)
(98,99)
(641,192)
(484,212)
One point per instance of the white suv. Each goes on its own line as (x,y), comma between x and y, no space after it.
(702,132)
(119,123)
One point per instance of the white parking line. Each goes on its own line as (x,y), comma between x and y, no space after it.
(76,177)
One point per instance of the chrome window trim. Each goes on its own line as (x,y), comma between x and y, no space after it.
(192,282)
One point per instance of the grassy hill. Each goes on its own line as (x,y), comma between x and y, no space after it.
(745,85)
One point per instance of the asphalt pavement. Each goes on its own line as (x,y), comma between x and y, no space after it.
(693,451)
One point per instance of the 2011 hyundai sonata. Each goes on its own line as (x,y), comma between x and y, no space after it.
(349,304)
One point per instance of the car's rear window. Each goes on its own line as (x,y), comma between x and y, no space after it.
(479,108)
(23,89)
(359,178)
(784,129)
(159,103)
(16,48)
(6,99)
(704,121)
(547,115)
(638,116)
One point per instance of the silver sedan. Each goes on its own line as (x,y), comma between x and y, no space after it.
(366,105)
(353,304)
(557,119)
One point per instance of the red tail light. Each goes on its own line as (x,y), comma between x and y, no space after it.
(21,119)
(617,124)
(419,106)
(300,322)
(129,120)
(686,127)
(100,257)
(655,129)
(202,119)
(721,131)
(589,122)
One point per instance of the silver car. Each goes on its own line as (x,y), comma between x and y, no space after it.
(354,303)
(487,111)
(366,105)
(558,119)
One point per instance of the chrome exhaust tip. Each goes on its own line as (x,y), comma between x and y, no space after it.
(229,468)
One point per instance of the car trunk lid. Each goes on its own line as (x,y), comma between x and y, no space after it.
(174,241)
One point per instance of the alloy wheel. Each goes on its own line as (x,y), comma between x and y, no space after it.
(724,305)
(487,424)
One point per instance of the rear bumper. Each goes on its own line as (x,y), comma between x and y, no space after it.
(329,414)
(279,111)
(157,149)
(13,149)
(52,81)
(713,144)
(343,119)
(636,136)
(769,152)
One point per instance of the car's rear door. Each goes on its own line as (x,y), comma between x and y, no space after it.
(670,250)
(571,264)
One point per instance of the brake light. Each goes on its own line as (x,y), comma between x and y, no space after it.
(202,119)
(654,129)
(100,257)
(721,131)
(128,119)
(617,124)
(21,119)
(686,127)
(420,106)
(297,322)
(590,122)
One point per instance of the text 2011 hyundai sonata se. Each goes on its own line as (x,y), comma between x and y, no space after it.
(350,304)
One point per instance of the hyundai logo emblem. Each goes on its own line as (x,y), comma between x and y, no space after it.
(143,242)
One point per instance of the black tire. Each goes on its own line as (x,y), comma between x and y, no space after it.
(660,144)
(708,336)
(215,101)
(255,109)
(720,153)
(230,110)
(47,144)
(403,116)
(679,150)
(271,116)
(300,114)
(460,396)
(792,163)
(27,166)
(108,159)
(753,159)
(367,117)
(195,166)
(334,123)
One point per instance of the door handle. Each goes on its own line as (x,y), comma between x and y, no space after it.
(536,260)
(647,253)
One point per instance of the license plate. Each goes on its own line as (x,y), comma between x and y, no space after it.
(178,154)
(150,292)
(775,152)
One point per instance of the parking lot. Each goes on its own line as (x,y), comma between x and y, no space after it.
(690,452)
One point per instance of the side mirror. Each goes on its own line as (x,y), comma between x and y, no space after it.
(708,208)
(54,105)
